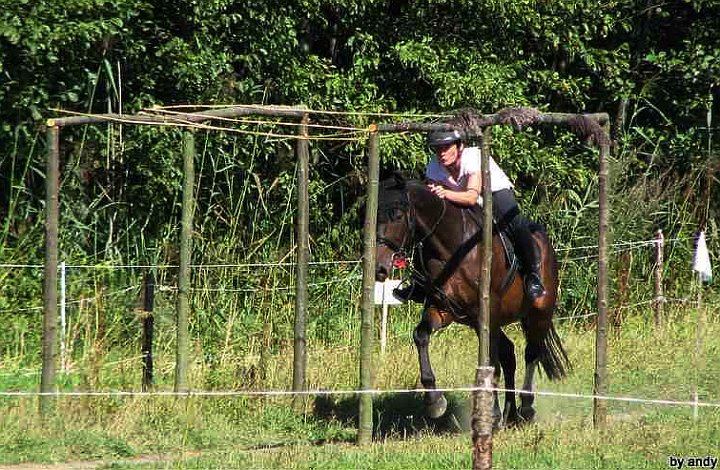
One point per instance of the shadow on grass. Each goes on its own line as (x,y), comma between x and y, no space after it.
(398,416)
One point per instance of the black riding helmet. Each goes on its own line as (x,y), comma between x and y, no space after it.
(441,138)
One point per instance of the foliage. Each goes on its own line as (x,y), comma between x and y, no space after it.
(652,67)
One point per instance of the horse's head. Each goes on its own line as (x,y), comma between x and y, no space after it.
(394,227)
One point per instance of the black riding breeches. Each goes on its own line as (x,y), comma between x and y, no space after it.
(505,208)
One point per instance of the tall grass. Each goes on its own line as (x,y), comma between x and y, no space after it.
(265,432)
(112,217)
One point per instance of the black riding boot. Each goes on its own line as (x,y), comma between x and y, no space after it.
(529,255)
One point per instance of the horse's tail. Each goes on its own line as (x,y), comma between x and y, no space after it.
(553,358)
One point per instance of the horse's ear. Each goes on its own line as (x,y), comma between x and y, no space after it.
(400,179)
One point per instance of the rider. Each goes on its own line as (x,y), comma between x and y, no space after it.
(454,173)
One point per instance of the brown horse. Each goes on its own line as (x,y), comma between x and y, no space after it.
(447,244)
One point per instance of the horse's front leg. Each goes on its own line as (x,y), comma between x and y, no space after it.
(497,372)
(432,320)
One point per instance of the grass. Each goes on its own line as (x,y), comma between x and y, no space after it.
(266,432)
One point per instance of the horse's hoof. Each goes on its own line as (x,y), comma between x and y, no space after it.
(512,421)
(498,424)
(437,408)
(510,415)
(527,414)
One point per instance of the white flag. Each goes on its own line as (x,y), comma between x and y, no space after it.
(701,263)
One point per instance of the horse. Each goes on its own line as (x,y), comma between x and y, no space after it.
(446,242)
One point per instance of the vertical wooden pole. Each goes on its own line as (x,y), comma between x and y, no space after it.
(482,405)
(699,320)
(301,270)
(482,419)
(182,356)
(368,305)
(148,324)
(50,294)
(485,268)
(659,297)
(600,386)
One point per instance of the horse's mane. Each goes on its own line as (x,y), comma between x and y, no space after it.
(394,195)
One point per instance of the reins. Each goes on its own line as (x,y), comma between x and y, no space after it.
(419,244)
(421,272)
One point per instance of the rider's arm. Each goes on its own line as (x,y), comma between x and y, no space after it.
(466,197)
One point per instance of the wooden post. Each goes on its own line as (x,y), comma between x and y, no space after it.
(659,298)
(482,419)
(699,322)
(600,383)
(182,356)
(482,405)
(148,322)
(486,266)
(50,293)
(368,305)
(301,270)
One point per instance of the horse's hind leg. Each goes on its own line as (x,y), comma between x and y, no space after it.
(506,356)
(545,348)
(497,371)
(432,320)
(532,358)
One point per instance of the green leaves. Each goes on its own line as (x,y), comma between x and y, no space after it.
(662,61)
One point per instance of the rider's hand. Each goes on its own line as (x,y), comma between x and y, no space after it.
(438,190)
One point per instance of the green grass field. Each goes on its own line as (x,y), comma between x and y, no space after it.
(265,432)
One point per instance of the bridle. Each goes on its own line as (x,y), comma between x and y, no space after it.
(421,272)
(399,256)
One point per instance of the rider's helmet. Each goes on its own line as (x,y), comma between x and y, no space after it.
(441,138)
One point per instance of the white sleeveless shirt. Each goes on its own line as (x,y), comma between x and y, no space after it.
(470,162)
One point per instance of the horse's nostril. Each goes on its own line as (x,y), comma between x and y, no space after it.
(381,274)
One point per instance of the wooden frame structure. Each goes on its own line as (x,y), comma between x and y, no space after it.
(481,131)
(50,294)
(595,129)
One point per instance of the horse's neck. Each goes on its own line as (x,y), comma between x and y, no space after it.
(442,229)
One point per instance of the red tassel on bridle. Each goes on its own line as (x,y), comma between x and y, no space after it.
(399,261)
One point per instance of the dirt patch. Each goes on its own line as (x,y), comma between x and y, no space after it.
(93,464)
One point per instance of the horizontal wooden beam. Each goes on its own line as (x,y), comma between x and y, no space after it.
(487,120)
(180,118)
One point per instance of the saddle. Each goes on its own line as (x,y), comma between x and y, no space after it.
(511,260)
